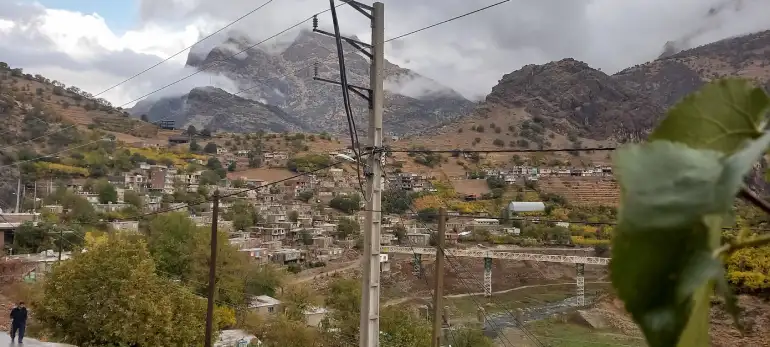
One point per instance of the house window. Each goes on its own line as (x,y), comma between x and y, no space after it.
(270,309)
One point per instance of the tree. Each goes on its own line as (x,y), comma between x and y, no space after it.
(194,146)
(293,216)
(347,227)
(106,191)
(347,204)
(296,299)
(396,201)
(168,238)
(264,279)
(144,118)
(400,232)
(307,238)
(206,133)
(210,148)
(209,177)
(469,337)
(401,328)
(119,271)
(191,130)
(305,196)
(232,167)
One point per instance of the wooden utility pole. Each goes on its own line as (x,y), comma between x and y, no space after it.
(438,280)
(212,271)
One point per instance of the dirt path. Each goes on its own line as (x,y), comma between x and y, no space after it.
(452,296)
(310,277)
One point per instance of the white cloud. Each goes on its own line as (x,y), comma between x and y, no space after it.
(469,55)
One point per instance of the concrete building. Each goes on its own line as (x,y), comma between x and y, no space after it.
(265,305)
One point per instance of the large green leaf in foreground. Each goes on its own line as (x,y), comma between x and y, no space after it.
(675,191)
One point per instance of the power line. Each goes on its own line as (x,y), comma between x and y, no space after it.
(446,21)
(208,66)
(186,48)
(460,151)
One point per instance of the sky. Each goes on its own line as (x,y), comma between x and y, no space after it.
(97,44)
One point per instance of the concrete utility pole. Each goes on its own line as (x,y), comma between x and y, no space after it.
(18,194)
(438,278)
(370,312)
(374,95)
(212,271)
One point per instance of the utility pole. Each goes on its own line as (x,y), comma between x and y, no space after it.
(438,278)
(34,203)
(374,95)
(212,271)
(18,193)
(61,241)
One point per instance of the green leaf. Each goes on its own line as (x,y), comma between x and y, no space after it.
(720,117)
(662,243)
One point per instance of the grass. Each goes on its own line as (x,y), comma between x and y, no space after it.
(556,333)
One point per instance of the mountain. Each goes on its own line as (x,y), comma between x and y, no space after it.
(668,79)
(217,110)
(284,78)
(568,99)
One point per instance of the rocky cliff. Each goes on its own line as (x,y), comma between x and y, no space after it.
(217,110)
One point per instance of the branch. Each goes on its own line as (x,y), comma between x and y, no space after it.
(752,197)
(731,247)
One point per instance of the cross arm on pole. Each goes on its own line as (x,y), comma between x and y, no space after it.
(366,10)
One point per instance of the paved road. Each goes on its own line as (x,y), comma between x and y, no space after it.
(5,340)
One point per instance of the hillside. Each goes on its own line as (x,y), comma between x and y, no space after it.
(217,110)
(667,79)
(284,79)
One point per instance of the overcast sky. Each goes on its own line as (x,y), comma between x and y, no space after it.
(95,44)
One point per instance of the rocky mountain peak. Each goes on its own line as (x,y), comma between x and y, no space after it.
(591,102)
(283,78)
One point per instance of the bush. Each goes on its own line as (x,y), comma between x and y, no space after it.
(498,143)
(480,129)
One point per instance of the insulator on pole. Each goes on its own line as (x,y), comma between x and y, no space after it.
(315,69)
(315,22)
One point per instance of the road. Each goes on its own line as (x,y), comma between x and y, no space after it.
(5,340)
(452,296)
(310,277)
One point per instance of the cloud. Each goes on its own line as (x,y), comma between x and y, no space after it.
(81,50)
(469,55)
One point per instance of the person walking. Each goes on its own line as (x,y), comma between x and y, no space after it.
(18,321)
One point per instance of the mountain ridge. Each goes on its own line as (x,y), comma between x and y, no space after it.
(284,78)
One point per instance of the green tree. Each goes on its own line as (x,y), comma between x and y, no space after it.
(210,148)
(307,238)
(401,328)
(469,337)
(400,232)
(293,216)
(297,299)
(192,131)
(106,191)
(347,227)
(209,177)
(206,133)
(345,203)
(169,241)
(194,146)
(119,272)
(305,196)
(133,198)
(396,201)
(264,279)
(232,167)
